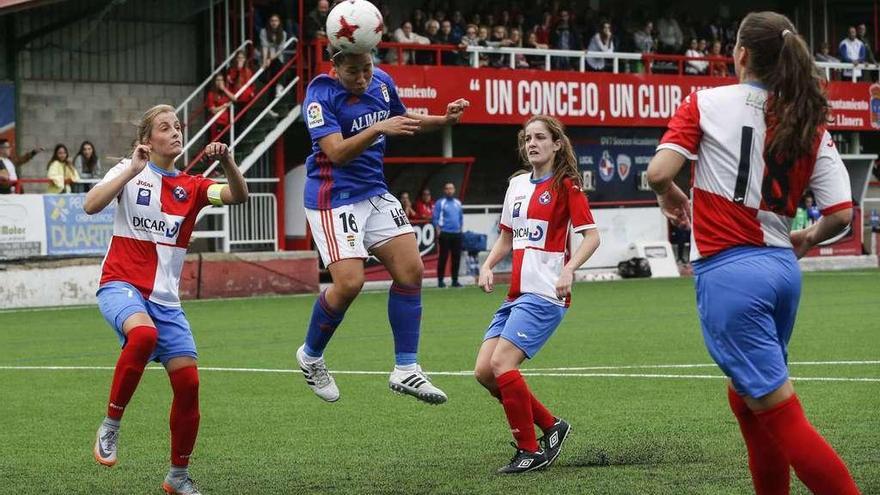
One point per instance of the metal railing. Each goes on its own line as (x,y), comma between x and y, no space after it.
(254,222)
(549,54)
(844,66)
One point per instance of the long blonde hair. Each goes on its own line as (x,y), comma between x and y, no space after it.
(145,126)
(564,161)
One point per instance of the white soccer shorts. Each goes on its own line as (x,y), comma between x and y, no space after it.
(351,231)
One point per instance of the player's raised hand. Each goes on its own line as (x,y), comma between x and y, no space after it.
(139,159)
(486,280)
(398,126)
(563,285)
(218,151)
(455,110)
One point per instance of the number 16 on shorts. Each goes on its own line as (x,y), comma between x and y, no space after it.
(349,231)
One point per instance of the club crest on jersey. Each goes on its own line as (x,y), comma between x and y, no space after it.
(314,115)
(180,193)
(545,198)
(516,207)
(606,167)
(624,166)
(143,198)
(385,93)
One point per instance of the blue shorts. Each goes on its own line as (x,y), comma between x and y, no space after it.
(527,322)
(119,300)
(747,298)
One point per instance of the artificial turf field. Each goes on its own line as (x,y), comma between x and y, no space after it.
(639,427)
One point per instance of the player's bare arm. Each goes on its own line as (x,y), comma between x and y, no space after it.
(500,250)
(827,227)
(673,201)
(454,111)
(588,246)
(341,151)
(236,192)
(101,195)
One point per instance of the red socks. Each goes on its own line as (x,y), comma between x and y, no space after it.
(814,461)
(517,402)
(542,416)
(139,345)
(767,462)
(184,414)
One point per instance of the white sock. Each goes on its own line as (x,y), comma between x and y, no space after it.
(406,367)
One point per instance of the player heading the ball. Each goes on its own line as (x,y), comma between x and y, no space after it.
(541,207)
(156,210)
(758,146)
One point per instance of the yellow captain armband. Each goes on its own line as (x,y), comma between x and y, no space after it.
(214,191)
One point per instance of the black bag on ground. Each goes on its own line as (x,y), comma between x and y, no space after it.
(634,268)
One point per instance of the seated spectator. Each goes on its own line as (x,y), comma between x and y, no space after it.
(424,206)
(535,61)
(458,25)
(406,204)
(824,54)
(60,171)
(669,34)
(317,21)
(272,38)
(405,34)
(644,38)
(516,41)
(87,165)
(447,37)
(432,32)
(483,40)
(499,39)
(852,50)
(543,30)
(565,37)
(695,67)
(218,100)
(8,165)
(237,76)
(601,42)
(470,38)
(418,20)
(718,68)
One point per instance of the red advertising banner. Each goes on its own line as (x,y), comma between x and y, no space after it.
(503,96)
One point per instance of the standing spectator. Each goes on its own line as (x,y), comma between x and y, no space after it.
(516,41)
(824,54)
(405,34)
(470,38)
(669,34)
(317,21)
(237,76)
(432,33)
(448,219)
(543,30)
(218,100)
(424,206)
(60,171)
(408,210)
(447,37)
(601,42)
(644,38)
(87,164)
(272,39)
(499,39)
(695,67)
(535,61)
(458,25)
(564,37)
(862,33)
(852,50)
(418,20)
(8,172)
(718,68)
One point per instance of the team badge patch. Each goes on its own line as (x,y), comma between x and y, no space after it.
(314,115)
(624,166)
(385,93)
(143,198)
(180,193)
(516,209)
(606,167)
(545,198)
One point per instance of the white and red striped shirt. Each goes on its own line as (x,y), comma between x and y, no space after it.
(738,200)
(540,219)
(155,216)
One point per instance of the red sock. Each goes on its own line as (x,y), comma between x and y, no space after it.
(767,462)
(517,402)
(542,416)
(813,460)
(184,414)
(139,345)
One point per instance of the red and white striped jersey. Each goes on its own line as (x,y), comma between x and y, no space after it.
(540,218)
(155,215)
(737,199)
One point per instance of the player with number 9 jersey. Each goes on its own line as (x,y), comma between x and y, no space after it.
(757,147)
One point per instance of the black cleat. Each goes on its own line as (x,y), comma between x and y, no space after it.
(524,461)
(554,438)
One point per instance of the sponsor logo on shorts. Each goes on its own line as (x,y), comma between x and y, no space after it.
(350,238)
(399,217)
(143,198)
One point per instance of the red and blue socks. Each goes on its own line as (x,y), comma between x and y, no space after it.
(405,316)
(139,345)
(767,462)
(517,401)
(185,415)
(323,324)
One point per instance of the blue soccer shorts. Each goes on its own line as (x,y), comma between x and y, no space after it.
(747,299)
(527,322)
(119,300)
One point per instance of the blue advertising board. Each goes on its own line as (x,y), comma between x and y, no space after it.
(70,231)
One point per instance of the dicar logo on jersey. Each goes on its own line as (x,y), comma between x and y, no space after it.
(314,115)
(530,235)
(143,197)
(180,193)
(545,198)
(624,165)
(606,167)
(385,93)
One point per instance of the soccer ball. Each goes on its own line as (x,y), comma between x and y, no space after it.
(354,26)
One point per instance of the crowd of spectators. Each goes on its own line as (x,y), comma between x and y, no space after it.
(64,174)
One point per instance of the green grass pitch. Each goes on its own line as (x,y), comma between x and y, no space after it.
(266,433)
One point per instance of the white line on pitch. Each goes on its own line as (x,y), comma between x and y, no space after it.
(445,373)
(704,365)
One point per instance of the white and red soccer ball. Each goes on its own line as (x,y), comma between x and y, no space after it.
(354,26)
